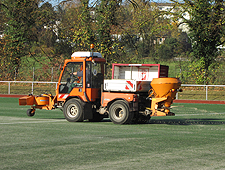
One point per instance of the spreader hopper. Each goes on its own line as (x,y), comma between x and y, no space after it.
(162,94)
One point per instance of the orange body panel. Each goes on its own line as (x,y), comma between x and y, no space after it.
(110,96)
(78,92)
(26,100)
(91,93)
(42,101)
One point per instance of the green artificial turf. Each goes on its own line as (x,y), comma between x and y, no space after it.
(193,139)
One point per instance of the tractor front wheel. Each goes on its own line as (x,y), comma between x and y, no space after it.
(73,111)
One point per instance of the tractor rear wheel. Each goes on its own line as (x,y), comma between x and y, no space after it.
(119,113)
(73,111)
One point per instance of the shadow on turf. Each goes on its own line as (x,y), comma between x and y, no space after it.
(174,121)
(188,121)
(181,121)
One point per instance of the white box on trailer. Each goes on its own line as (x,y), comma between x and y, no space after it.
(139,72)
(126,85)
(134,77)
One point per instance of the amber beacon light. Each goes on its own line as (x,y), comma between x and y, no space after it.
(92,46)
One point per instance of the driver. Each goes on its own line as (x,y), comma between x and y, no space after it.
(80,74)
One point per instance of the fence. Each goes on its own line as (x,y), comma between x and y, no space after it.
(202,92)
(190,91)
(43,73)
(27,87)
(46,73)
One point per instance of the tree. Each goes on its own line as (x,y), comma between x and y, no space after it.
(206,28)
(3,19)
(19,33)
(174,46)
(168,49)
(147,25)
(106,18)
(97,28)
(82,31)
(46,24)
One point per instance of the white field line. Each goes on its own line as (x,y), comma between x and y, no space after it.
(199,114)
(45,121)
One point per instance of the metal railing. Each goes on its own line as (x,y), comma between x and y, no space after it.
(27,82)
(40,86)
(205,88)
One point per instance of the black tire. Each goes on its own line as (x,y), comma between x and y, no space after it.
(73,111)
(30,112)
(119,113)
(141,119)
(96,117)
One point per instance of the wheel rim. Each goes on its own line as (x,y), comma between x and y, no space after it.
(72,110)
(119,113)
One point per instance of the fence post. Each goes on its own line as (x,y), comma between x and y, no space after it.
(33,72)
(32,89)
(15,74)
(9,88)
(206,93)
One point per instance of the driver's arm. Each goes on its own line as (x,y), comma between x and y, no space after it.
(79,73)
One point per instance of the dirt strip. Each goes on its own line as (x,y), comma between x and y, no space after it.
(175,101)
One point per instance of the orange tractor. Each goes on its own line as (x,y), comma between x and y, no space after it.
(134,94)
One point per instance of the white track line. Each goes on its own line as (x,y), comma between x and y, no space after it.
(47,121)
(199,114)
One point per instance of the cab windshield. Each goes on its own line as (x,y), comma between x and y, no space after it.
(73,76)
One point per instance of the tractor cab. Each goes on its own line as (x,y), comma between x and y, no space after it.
(82,77)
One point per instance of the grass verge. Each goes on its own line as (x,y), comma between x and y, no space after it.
(193,139)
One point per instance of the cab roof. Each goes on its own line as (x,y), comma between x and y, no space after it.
(86,54)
